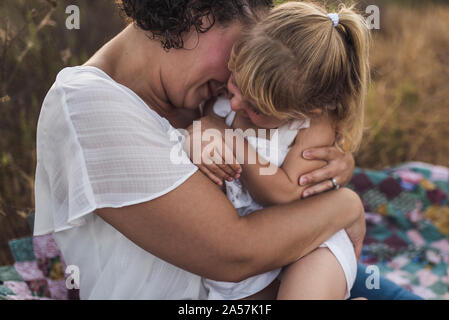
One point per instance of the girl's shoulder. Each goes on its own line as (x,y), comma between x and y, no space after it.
(319,131)
(290,130)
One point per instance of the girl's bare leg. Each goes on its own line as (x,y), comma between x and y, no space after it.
(317,276)
(269,293)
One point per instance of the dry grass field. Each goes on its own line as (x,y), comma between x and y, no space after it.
(407,106)
(408,103)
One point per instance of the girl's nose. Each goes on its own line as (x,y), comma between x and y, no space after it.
(229,94)
(234,96)
(236,104)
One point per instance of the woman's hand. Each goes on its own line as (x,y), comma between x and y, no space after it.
(208,150)
(340,166)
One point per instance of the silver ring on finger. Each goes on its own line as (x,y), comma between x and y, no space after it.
(335,184)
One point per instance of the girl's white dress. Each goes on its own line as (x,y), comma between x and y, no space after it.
(275,151)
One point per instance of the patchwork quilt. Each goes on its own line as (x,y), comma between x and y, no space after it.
(407,213)
(37,274)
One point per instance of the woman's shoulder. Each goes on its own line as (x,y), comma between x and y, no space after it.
(82,77)
(84,83)
(88,96)
(92,83)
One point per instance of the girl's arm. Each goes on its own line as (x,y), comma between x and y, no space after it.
(282,186)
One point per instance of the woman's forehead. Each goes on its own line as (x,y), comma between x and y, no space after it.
(234,27)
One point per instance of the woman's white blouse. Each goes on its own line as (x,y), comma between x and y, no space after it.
(99,145)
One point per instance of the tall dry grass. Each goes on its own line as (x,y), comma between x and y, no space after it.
(34,46)
(408,103)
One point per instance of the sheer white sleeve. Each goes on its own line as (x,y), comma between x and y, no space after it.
(99,145)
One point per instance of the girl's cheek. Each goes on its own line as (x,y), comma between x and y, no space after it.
(255,119)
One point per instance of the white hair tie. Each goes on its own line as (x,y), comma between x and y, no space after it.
(335,18)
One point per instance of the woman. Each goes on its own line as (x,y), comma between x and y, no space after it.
(136,224)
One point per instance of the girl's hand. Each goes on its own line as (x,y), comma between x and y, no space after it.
(340,166)
(214,166)
(208,150)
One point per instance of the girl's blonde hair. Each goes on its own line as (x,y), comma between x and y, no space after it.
(294,62)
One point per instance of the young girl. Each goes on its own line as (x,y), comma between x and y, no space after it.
(303,72)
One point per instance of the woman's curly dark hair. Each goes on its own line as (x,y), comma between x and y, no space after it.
(167,20)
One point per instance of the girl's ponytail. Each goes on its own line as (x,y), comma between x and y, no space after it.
(353,29)
(300,59)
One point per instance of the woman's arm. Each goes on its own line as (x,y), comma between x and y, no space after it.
(196,228)
(282,186)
